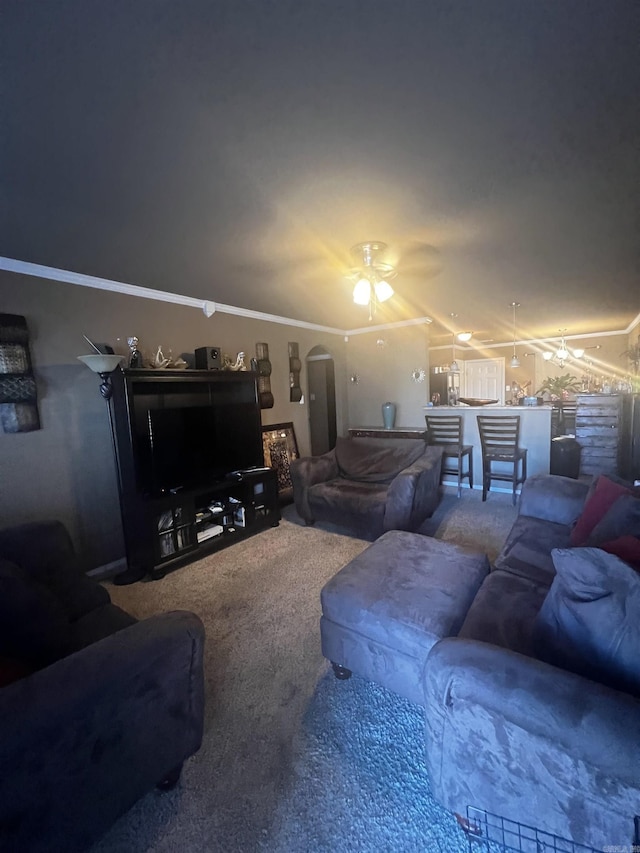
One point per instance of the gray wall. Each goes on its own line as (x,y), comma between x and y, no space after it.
(383,363)
(66,469)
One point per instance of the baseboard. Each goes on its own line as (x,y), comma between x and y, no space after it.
(506,490)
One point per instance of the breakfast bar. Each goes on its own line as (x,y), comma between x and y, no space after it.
(535,435)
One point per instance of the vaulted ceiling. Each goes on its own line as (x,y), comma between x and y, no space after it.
(235,150)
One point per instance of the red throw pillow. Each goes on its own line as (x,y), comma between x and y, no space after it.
(625,547)
(604,495)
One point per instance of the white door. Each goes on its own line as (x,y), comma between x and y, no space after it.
(484,379)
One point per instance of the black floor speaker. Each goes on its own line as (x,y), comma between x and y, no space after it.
(208,358)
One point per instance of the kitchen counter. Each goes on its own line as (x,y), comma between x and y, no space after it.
(535,435)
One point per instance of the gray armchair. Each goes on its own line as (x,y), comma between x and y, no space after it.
(96,708)
(368,485)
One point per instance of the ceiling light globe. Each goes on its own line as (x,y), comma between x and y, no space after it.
(578,353)
(465,336)
(362,292)
(384,291)
(547,356)
(515,361)
(562,354)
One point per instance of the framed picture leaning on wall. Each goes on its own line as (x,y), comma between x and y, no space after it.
(280,447)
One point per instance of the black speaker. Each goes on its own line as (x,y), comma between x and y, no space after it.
(208,358)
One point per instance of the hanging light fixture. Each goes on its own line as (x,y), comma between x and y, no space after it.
(562,354)
(515,361)
(372,275)
(465,336)
(580,351)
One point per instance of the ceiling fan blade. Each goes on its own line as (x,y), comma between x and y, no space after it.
(416,258)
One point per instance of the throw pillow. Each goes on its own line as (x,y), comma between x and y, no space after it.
(618,530)
(622,518)
(603,496)
(34,627)
(625,547)
(589,622)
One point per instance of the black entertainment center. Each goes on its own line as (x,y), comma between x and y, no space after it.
(188,447)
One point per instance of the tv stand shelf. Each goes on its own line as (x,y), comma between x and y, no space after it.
(165,528)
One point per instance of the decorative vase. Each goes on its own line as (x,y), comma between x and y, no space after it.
(388,415)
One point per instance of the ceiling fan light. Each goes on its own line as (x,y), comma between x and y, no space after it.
(362,292)
(465,336)
(384,291)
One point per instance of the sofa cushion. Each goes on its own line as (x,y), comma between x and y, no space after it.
(376,460)
(504,612)
(597,504)
(34,627)
(358,506)
(527,551)
(590,620)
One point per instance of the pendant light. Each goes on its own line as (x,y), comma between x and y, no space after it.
(454,367)
(515,361)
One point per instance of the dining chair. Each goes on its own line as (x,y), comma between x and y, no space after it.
(567,422)
(446,432)
(499,441)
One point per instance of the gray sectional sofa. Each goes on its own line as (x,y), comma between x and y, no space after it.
(529,673)
(533,709)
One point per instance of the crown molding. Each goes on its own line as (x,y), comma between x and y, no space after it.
(209,307)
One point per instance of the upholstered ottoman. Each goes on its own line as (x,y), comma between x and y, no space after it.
(383,612)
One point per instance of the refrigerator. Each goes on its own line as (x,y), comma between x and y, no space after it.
(444,386)
(629,446)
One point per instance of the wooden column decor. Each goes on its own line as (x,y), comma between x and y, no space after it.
(295,366)
(18,393)
(264,376)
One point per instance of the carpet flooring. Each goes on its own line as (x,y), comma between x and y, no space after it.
(293,759)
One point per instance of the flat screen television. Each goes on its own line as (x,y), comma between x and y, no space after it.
(185,443)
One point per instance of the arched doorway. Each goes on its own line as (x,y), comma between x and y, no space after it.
(321,380)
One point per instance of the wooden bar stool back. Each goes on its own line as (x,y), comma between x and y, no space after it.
(446,432)
(499,440)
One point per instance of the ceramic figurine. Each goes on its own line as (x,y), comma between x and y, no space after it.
(161,360)
(239,364)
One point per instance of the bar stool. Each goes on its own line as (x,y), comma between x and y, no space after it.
(446,432)
(567,421)
(499,436)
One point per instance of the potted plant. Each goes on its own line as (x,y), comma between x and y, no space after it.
(559,387)
(633,354)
